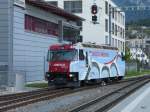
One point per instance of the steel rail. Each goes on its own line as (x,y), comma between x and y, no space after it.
(28,97)
(9,97)
(34,99)
(120,98)
(101,99)
(14,101)
(14,95)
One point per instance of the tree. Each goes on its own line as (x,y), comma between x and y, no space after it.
(127,56)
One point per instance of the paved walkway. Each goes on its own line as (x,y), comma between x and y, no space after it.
(136,102)
(12,91)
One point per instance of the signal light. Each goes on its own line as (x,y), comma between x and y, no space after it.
(94,18)
(94,9)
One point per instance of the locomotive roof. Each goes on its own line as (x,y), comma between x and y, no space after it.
(93,45)
(86,45)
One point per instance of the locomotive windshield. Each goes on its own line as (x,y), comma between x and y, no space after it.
(62,55)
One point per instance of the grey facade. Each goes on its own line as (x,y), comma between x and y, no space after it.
(23,51)
(6,29)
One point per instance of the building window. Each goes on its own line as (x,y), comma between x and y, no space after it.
(113,28)
(106,25)
(80,24)
(106,40)
(116,42)
(73,6)
(112,42)
(116,30)
(113,12)
(147,42)
(55,3)
(123,20)
(110,8)
(71,34)
(121,16)
(121,32)
(40,26)
(119,44)
(123,46)
(106,7)
(116,15)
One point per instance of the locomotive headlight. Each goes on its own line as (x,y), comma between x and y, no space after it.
(48,75)
(71,75)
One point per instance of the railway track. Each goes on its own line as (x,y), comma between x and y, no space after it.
(8,102)
(24,94)
(22,99)
(104,103)
(12,96)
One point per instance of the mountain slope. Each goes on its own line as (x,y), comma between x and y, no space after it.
(134,15)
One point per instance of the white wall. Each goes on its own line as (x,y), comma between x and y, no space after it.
(96,32)
(90,32)
(93,32)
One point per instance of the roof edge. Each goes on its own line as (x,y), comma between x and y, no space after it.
(53,9)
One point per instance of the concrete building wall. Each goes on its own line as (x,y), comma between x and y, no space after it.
(93,32)
(90,32)
(96,32)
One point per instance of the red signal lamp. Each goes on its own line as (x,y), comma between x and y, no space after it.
(94,9)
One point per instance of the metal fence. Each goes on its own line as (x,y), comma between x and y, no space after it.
(136,66)
(131,66)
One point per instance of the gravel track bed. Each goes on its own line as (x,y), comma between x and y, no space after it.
(67,102)
(98,105)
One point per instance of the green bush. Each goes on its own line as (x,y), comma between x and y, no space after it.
(37,85)
(137,73)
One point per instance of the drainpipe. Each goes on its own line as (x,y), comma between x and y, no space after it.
(60,31)
(11,76)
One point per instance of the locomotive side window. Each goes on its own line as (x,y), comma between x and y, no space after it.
(81,54)
(87,61)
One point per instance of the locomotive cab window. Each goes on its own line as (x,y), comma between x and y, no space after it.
(81,55)
(62,55)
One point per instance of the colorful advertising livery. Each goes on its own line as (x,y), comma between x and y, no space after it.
(72,65)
